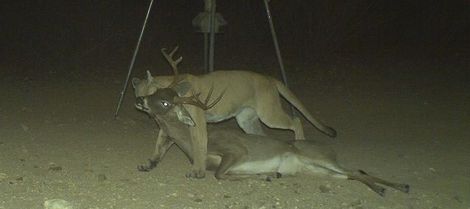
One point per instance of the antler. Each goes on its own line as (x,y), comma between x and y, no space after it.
(173,63)
(194,100)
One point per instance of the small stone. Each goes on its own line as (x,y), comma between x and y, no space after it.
(198,200)
(356,204)
(24,127)
(102,177)
(57,204)
(55,168)
(174,194)
(3,176)
(324,189)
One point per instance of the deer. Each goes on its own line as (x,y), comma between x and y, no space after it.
(235,156)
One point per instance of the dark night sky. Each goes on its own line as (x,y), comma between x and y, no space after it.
(57,33)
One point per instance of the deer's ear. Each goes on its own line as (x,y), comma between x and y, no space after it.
(182,88)
(184,116)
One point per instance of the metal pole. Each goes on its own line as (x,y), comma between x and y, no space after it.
(206,52)
(276,46)
(212,36)
(131,66)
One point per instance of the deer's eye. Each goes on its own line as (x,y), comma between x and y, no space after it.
(165,104)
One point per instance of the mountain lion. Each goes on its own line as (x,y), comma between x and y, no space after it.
(249,97)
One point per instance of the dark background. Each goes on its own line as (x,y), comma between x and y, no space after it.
(63,36)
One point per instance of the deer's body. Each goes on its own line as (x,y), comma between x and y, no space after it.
(234,155)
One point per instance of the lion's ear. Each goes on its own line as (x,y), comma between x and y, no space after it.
(149,77)
(135,82)
(182,88)
(184,116)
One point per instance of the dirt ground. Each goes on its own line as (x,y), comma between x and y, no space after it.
(405,122)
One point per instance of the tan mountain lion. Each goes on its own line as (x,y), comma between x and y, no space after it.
(249,97)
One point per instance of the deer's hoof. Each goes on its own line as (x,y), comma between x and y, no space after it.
(151,164)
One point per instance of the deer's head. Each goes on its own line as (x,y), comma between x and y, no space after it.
(167,99)
(161,101)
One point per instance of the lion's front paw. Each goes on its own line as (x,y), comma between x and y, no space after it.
(198,174)
(151,164)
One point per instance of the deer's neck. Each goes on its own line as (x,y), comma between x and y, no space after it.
(176,130)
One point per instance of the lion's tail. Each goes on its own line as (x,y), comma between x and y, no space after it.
(292,99)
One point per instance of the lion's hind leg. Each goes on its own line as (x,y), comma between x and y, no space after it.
(274,116)
(248,120)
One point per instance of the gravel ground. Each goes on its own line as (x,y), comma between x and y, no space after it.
(59,140)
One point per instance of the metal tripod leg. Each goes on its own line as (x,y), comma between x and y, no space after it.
(206,52)
(278,51)
(131,66)
(212,37)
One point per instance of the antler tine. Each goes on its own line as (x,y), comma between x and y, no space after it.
(209,94)
(216,100)
(173,51)
(169,58)
(173,63)
(191,100)
(195,100)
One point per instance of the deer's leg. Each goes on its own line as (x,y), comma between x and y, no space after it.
(401,187)
(372,181)
(249,121)
(371,184)
(161,147)
(228,160)
(198,143)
